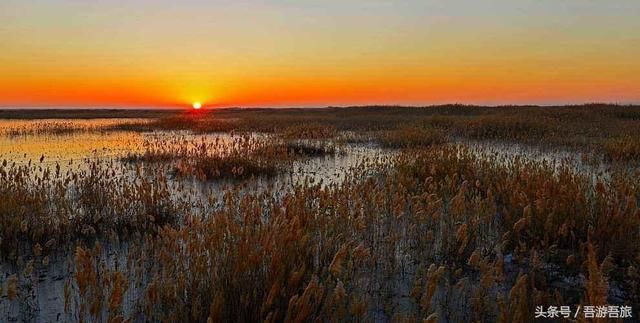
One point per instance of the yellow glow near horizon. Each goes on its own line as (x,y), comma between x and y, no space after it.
(197,105)
(297,53)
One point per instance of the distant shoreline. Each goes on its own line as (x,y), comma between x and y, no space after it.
(104,113)
(49,113)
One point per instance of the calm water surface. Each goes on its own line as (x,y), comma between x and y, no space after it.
(78,145)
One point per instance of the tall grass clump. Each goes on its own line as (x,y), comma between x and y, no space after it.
(622,149)
(235,157)
(46,207)
(309,131)
(412,137)
(514,128)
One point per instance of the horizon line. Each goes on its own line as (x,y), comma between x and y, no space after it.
(214,107)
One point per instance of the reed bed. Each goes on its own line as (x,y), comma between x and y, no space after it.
(48,207)
(587,127)
(45,127)
(443,234)
(311,148)
(622,149)
(56,127)
(237,157)
(309,131)
(412,137)
(499,127)
(439,233)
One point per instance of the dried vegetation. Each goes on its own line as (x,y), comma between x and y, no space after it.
(439,234)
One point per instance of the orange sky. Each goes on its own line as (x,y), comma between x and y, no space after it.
(164,53)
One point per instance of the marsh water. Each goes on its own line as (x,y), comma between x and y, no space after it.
(79,145)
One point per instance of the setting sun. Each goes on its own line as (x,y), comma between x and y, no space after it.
(197,105)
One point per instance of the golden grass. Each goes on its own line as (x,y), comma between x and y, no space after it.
(41,208)
(610,129)
(309,131)
(624,148)
(310,254)
(412,137)
(238,157)
(476,238)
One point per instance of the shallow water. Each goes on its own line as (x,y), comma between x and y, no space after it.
(505,153)
(41,295)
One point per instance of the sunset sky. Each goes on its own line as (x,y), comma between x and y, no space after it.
(167,53)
